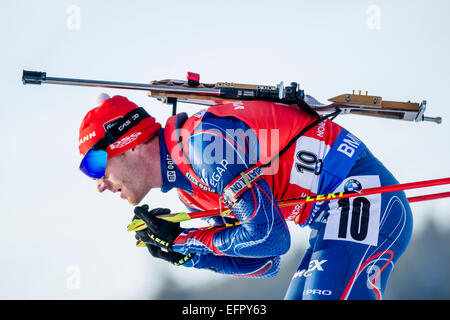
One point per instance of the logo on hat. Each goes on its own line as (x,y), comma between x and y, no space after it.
(87,137)
(111,123)
(124,141)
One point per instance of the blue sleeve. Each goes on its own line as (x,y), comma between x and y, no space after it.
(219,150)
(237,267)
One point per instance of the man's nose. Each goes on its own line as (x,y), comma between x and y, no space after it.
(101,185)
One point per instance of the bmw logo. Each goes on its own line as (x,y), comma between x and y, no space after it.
(352,185)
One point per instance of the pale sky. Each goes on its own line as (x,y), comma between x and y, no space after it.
(60,239)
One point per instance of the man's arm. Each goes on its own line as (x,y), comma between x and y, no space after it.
(237,267)
(234,266)
(148,229)
(262,231)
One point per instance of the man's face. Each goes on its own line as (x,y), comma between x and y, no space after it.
(129,174)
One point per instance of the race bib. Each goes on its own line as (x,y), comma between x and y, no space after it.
(355,219)
(308,161)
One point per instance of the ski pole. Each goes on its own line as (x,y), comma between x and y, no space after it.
(184,216)
(429,197)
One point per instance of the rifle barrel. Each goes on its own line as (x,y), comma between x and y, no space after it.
(37,77)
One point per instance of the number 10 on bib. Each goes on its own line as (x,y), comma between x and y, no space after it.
(355,219)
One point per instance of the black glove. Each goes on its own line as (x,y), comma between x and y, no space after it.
(173,257)
(161,233)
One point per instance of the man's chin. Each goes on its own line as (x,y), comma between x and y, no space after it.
(133,200)
(134,203)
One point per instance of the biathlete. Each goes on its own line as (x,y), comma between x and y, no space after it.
(247,156)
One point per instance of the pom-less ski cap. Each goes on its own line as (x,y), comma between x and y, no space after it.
(105,117)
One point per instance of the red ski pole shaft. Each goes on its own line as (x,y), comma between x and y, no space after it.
(369,191)
(429,197)
(331,196)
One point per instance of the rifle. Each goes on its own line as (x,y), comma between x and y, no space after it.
(171,91)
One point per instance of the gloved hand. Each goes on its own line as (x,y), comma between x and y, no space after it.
(173,257)
(159,232)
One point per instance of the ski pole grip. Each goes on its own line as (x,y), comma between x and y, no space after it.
(33,77)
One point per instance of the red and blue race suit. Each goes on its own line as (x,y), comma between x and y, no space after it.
(354,242)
